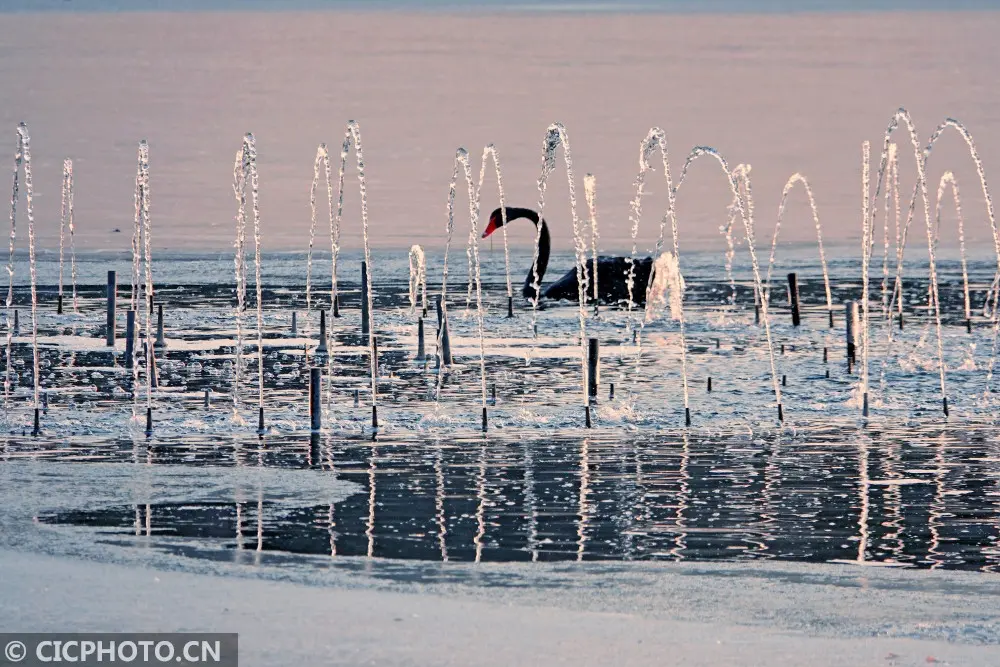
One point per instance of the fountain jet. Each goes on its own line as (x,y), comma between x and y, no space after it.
(657,139)
(556,136)
(352,137)
(322,160)
(792,181)
(462,165)
(22,157)
(246,173)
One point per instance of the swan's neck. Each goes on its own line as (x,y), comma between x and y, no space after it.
(542,263)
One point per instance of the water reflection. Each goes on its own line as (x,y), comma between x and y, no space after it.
(530,501)
(936,509)
(584,511)
(875,500)
(480,503)
(439,513)
(864,491)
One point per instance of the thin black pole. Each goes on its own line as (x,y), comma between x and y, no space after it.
(160,340)
(130,339)
(793,296)
(315,410)
(593,367)
(321,349)
(420,339)
(112,288)
(364,297)
(849,327)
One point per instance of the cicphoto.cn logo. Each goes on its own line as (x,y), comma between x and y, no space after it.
(181,649)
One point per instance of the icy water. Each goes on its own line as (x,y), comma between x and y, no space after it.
(905,487)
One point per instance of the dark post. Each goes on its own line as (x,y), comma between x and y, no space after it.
(112,289)
(445,339)
(315,456)
(322,333)
(17,323)
(160,340)
(510,306)
(336,305)
(445,342)
(295,327)
(593,367)
(315,411)
(850,322)
(793,296)
(710,384)
(364,297)
(130,339)
(420,339)
(59,306)
(152,366)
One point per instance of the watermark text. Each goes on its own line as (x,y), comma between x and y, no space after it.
(83,650)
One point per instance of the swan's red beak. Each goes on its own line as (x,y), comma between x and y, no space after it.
(492,227)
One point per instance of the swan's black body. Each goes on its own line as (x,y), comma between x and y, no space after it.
(612,272)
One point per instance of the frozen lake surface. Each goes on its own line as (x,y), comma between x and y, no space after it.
(905,488)
(850,540)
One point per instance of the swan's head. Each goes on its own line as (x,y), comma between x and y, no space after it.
(497,218)
(496,222)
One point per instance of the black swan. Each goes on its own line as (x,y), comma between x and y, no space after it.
(612,272)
